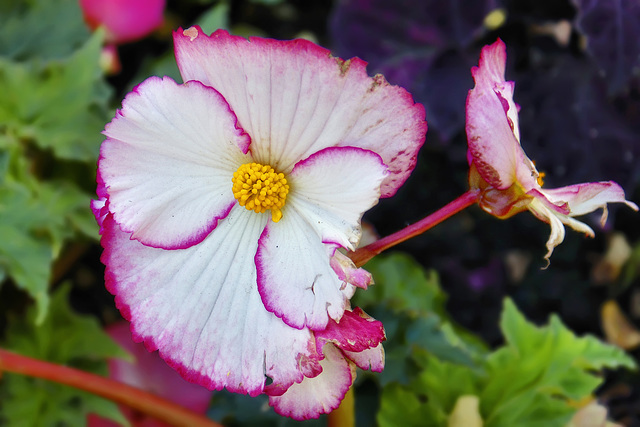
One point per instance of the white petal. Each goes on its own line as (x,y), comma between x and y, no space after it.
(552,218)
(321,394)
(333,188)
(294,99)
(295,278)
(200,306)
(168,161)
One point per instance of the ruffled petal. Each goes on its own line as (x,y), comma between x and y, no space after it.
(355,331)
(348,272)
(168,161)
(369,359)
(587,197)
(321,394)
(492,124)
(100,207)
(552,218)
(294,99)
(295,278)
(200,307)
(332,188)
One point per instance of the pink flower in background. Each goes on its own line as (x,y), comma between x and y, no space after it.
(224,201)
(150,373)
(508,180)
(124,20)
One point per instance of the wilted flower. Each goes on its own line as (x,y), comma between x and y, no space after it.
(508,180)
(223,202)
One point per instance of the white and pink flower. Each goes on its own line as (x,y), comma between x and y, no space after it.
(508,180)
(223,202)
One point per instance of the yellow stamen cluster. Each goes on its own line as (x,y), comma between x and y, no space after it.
(259,187)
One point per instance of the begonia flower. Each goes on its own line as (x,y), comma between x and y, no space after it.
(223,202)
(507,179)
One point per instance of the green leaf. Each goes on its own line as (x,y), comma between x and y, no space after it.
(34,224)
(541,368)
(24,255)
(403,285)
(446,382)
(215,18)
(400,407)
(40,28)
(404,288)
(65,338)
(60,105)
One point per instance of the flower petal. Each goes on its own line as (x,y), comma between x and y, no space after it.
(348,272)
(321,394)
(151,373)
(542,212)
(295,99)
(369,359)
(330,191)
(295,278)
(168,160)
(355,331)
(333,188)
(492,124)
(200,306)
(587,197)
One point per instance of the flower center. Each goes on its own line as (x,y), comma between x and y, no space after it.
(259,187)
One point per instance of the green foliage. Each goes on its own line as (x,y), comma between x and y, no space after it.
(53,106)
(65,338)
(59,105)
(529,381)
(40,28)
(410,303)
(540,368)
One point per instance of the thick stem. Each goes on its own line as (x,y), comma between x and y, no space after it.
(132,397)
(362,255)
(345,414)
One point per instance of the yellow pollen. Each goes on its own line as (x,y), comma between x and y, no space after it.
(259,188)
(540,174)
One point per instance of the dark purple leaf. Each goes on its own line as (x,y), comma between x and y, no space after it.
(612,29)
(418,44)
(572,130)
(377,29)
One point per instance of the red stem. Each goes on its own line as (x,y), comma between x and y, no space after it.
(135,398)
(362,255)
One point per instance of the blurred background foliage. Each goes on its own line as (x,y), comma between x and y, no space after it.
(460,304)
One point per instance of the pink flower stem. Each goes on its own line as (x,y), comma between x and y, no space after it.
(362,255)
(132,397)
